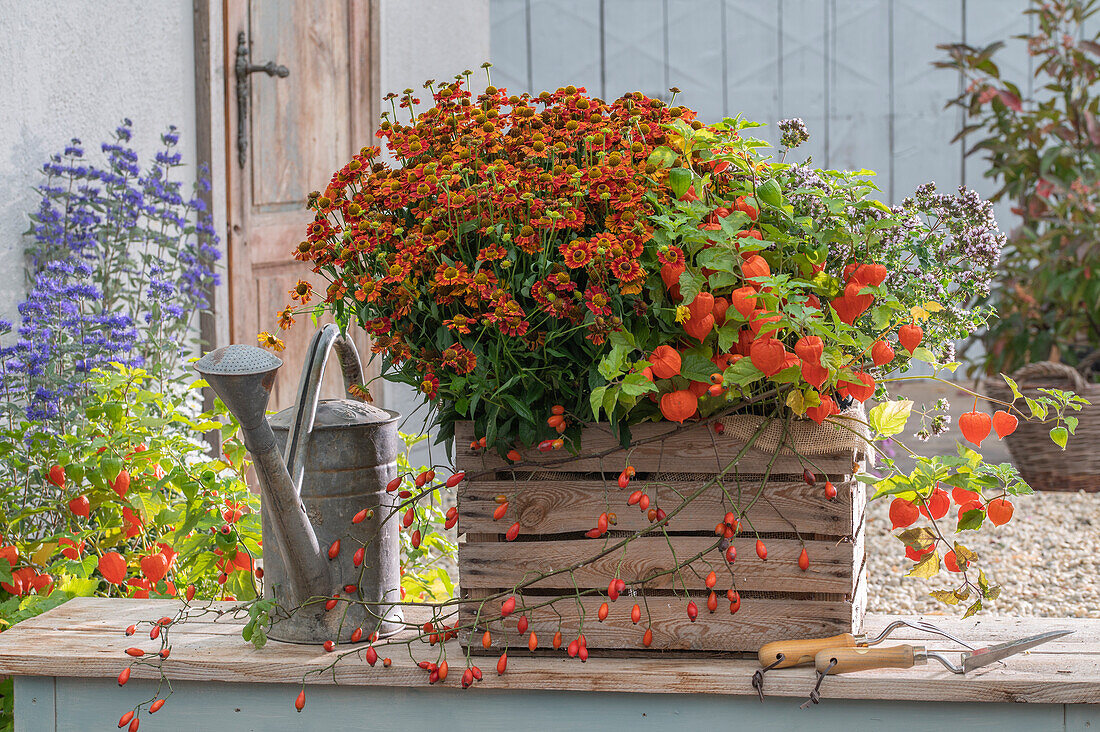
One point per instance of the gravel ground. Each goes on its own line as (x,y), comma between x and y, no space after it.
(1046,559)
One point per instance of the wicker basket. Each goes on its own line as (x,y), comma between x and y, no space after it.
(1041,463)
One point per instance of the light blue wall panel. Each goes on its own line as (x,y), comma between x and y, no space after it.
(753,78)
(922,126)
(634,48)
(508,41)
(83,704)
(695,55)
(803,43)
(565,44)
(861,93)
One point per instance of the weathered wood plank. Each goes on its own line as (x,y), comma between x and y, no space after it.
(694,450)
(756,623)
(1053,673)
(507,564)
(548,507)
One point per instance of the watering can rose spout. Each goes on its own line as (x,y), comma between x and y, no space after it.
(242,376)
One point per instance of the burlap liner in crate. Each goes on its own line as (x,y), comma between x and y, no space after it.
(1042,463)
(844,432)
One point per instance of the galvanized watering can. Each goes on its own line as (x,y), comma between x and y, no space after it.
(337,457)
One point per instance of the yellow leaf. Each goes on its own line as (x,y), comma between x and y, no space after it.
(918,313)
(932,306)
(927,567)
(44,553)
(796,402)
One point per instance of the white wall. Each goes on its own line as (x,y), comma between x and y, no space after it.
(421,40)
(75,69)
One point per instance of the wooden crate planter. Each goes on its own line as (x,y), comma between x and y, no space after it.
(560,498)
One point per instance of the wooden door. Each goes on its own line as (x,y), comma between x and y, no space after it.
(284,139)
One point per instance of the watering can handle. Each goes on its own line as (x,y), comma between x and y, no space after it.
(309,391)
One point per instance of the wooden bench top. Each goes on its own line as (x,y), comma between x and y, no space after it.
(84,638)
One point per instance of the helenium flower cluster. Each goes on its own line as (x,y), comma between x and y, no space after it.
(119,260)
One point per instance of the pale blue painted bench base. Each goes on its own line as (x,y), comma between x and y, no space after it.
(46,704)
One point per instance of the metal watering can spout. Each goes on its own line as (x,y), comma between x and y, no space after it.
(243,376)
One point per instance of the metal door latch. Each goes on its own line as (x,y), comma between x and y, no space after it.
(244,68)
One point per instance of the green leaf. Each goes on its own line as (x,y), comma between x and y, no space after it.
(971,520)
(889,418)
(770,193)
(596,400)
(1012,385)
(662,157)
(920,353)
(1060,436)
(927,567)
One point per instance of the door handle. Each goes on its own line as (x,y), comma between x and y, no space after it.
(244,68)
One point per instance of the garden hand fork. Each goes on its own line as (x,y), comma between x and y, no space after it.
(784,654)
(848,659)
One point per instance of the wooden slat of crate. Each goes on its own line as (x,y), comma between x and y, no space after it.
(759,621)
(695,450)
(547,506)
(502,565)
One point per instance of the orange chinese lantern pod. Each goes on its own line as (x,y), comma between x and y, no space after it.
(768,355)
(869,275)
(938,504)
(699,328)
(902,513)
(809,349)
(699,388)
(821,412)
(814,374)
(755,266)
(1004,424)
(851,304)
(950,562)
(743,300)
(975,426)
(721,305)
(999,511)
(881,353)
(861,390)
(910,336)
(702,305)
(747,208)
(670,275)
(665,362)
(680,405)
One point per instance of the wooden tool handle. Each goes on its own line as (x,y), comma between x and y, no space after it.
(799,652)
(864,659)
